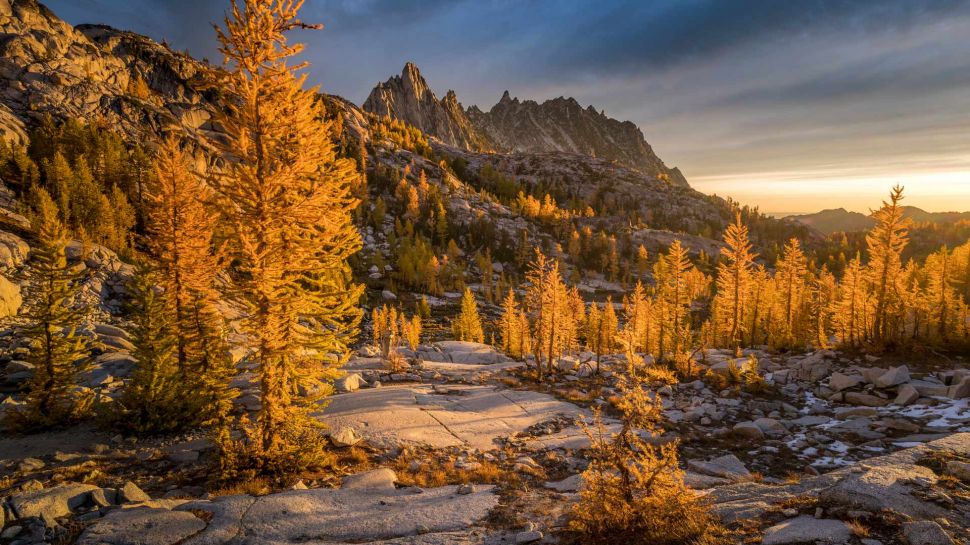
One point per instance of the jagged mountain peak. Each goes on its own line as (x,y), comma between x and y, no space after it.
(559,124)
(407,97)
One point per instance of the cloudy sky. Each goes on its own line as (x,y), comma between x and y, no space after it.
(790,105)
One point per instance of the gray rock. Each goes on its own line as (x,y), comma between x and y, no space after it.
(103,497)
(569,484)
(142,526)
(925,532)
(130,493)
(528,537)
(749,430)
(349,383)
(885,486)
(839,382)
(867,400)
(959,390)
(379,479)
(893,377)
(771,427)
(345,437)
(727,467)
(906,395)
(929,388)
(805,529)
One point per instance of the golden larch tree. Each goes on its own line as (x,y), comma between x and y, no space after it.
(886,242)
(286,200)
(733,279)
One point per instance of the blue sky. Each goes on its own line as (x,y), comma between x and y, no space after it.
(790,105)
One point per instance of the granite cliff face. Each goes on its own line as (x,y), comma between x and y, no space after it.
(90,72)
(513,126)
(407,97)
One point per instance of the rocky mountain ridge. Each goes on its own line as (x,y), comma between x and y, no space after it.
(841,220)
(513,126)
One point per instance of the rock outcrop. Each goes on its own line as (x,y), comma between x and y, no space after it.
(408,98)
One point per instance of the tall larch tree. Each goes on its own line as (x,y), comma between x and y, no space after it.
(886,243)
(286,200)
(508,326)
(850,314)
(790,279)
(547,300)
(733,278)
(673,293)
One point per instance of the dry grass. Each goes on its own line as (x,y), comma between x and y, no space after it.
(858,529)
(793,477)
(258,486)
(445,472)
(799,502)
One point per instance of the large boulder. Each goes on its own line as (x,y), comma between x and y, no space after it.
(51,503)
(885,486)
(893,377)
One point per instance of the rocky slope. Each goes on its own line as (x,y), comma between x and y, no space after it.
(91,72)
(511,126)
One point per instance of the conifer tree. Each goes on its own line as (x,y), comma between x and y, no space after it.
(674,294)
(180,231)
(508,326)
(733,279)
(56,350)
(790,279)
(287,203)
(940,293)
(850,315)
(547,300)
(467,326)
(885,243)
(155,399)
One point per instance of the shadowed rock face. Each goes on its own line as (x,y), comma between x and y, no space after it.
(558,125)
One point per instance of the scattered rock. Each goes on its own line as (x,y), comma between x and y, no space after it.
(839,382)
(749,430)
(130,493)
(925,532)
(727,467)
(906,395)
(349,383)
(805,529)
(345,437)
(380,479)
